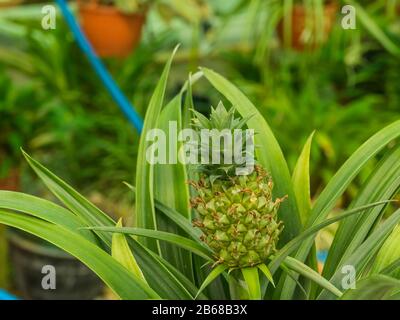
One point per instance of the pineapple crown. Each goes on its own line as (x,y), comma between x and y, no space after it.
(225,146)
(220,119)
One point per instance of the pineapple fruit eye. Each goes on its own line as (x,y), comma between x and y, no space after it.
(241,233)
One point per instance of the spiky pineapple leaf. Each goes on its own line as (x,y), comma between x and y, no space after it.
(311,274)
(168,286)
(121,252)
(156,272)
(362,255)
(301,186)
(160,274)
(392,267)
(180,221)
(188,105)
(350,169)
(382,184)
(240,124)
(376,287)
(72,199)
(200,120)
(266,272)
(180,241)
(291,274)
(301,181)
(211,277)
(171,188)
(120,280)
(291,246)
(46,210)
(144,208)
(337,186)
(252,279)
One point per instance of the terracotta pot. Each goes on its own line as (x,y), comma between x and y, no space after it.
(10,3)
(11,182)
(299,24)
(3,258)
(111,32)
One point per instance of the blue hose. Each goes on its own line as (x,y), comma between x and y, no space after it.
(6,296)
(121,100)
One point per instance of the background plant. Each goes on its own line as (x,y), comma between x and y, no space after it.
(361,233)
(66,87)
(339,87)
(334,86)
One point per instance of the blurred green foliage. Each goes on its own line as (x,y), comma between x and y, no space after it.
(345,90)
(81,132)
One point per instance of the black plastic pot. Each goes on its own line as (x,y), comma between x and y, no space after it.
(28,255)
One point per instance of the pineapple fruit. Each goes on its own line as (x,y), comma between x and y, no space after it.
(236,213)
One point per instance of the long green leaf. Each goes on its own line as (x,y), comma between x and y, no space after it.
(376,287)
(392,267)
(291,274)
(382,184)
(301,181)
(45,210)
(122,253)
(311,274)
(387,261)
(161,235)
(291,246)
(144,209)
(365,252)
(170,282)
(122,282)
(264,269)
(212,275)
(350,169)
(393,296)
(72,199)
(252,279)
(157,273)
(171,188)
(180,221)
(338,185)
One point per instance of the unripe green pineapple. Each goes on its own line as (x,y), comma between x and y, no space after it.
(236,213)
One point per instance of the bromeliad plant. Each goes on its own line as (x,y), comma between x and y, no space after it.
(238,218)
(236,212)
